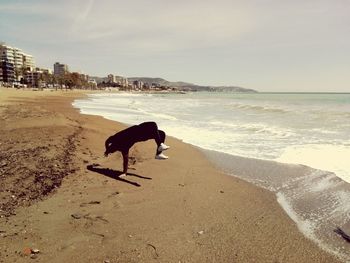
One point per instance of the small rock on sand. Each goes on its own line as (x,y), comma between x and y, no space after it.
(77,216)
(35,251)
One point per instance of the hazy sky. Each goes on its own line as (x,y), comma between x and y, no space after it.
(267,45)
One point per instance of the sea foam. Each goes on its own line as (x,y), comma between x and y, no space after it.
(270,140)
(326,157)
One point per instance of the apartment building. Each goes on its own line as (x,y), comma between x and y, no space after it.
(122,81)
(28,61)
(60,69)
(111,78)
(18,58)
(7,71)
(137,84)
(7,53)
(14,60)
(33,78)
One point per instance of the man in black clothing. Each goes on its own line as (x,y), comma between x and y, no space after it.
(125,139)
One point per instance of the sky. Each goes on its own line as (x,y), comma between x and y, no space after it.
(266,45)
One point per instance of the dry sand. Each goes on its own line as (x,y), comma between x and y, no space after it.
(178,210)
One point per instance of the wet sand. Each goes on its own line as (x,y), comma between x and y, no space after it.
(61,196)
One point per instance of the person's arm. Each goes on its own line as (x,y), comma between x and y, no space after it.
(107,144)
(125,162)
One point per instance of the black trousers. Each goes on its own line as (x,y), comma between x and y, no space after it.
(149,130)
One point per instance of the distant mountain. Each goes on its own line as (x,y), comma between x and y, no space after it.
(230,89)
(161,82)
(189,86)
(181,85)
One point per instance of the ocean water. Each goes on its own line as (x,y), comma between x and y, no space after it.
(300,144)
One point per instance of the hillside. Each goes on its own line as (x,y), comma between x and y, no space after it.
(189,86)
(181,85)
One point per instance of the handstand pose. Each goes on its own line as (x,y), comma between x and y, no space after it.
(125,139)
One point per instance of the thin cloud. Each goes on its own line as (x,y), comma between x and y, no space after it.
(82,16)
(163,27)
(245,41)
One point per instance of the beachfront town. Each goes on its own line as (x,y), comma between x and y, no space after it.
(18,70)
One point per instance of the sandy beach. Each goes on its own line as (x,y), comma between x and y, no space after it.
(60,195)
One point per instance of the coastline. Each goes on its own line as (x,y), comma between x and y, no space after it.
(184,209)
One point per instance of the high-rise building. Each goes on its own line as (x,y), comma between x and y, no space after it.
(32,78)
(28,61)
(15,60)
(121,81)
(7,72)
(124,82)
(7,53)
(60,69)
(137,84)
(18,58)
(111,78)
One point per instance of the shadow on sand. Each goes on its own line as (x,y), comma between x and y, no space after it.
(114,174)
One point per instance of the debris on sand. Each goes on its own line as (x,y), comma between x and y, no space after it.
(32,252)
(155,250)
(33,160)
(76,216)
(35,251)
(90,203)
(27,251)
(340,232)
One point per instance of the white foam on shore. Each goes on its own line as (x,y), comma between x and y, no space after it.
(333,158)
(305,226)
(316,200)
(289,138)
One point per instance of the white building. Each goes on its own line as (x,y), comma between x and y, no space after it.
(93,83)
(137,84)
(122,81)
(17,58)
(7,53)
(28,61)
(33,78)
(111,78)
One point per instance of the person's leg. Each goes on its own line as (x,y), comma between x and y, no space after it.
(149,130)
(161,136)
(162,140)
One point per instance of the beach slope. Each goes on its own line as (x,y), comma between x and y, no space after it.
(60,195)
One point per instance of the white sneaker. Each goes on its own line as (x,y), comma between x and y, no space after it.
(161,156)
(163,147)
